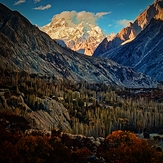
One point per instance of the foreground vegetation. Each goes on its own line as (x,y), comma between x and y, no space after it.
(120,146)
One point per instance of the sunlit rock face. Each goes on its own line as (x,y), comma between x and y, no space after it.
(159,7)
(133,29)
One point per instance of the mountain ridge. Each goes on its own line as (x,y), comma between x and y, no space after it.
(129,33)
(25,47)
(144,53)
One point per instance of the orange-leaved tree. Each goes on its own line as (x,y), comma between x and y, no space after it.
(125,146)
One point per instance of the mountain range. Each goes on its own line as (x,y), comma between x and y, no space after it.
(25,47)
(140,45)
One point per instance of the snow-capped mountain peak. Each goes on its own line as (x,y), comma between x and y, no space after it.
(78,36)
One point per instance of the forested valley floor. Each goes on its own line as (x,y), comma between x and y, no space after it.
(95,109)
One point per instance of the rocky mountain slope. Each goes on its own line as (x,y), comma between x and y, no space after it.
(83,38)
(133,29)
(51,113)
(145,52)
(25,47)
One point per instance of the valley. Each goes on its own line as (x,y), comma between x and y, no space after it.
(95,109)
(55,101)
(78,117)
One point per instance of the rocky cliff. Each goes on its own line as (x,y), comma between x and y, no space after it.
(145,52)
(133,29)
(50,114)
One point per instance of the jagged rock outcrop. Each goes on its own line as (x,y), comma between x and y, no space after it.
(51,114)
(133,29)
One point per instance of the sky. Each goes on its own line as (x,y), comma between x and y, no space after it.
(110,15)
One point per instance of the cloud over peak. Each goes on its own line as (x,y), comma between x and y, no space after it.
(78,17)
(43,7)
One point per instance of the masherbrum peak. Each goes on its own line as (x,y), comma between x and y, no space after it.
(82,37)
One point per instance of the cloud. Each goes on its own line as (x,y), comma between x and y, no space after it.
(100,14)
(42,7)
(36,1)
(89,17)
(73,17)
(124,22)
(19,2)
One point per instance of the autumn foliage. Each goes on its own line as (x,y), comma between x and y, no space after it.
(38,147)
(17,146)
(126,147)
